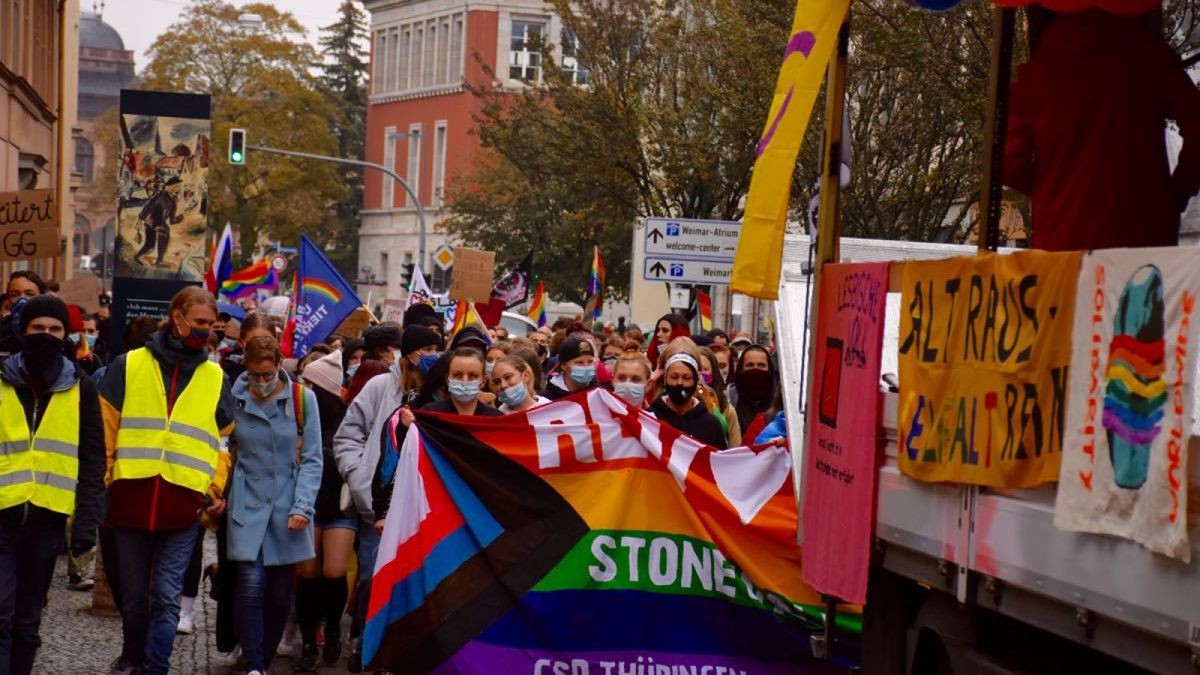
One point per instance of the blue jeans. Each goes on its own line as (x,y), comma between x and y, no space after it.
(151,571)
(264,597)
(27,555)
(368,548)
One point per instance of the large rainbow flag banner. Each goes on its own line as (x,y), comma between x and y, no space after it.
(583,536)
(537,306)
(323,298)
(244,282)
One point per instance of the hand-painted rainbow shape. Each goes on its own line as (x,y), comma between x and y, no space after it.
(322,289)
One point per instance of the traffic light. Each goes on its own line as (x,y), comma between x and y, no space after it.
(237,147)
(408,273)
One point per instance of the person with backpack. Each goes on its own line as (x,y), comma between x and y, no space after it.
(272,496)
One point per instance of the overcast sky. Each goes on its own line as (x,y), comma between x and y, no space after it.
(140,21)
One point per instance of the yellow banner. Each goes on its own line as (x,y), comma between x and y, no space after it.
(814,37)
(985,344)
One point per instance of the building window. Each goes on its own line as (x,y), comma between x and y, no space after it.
(381,60)
(418,52)
(439,164)
(456,51)
(387,201)
(383,267)
(524,56)
(404,59)
(85,159)
(413,175)
(570,58)
(82,236)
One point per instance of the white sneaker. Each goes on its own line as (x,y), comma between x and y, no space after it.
(234,658)
(187,625)
(255,672)
(285,649)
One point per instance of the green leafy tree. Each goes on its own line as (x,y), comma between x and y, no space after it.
(666,125)
(260,79)
(343,80)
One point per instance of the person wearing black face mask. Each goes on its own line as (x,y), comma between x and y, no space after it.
(54,468)
(753,390)
(679,406)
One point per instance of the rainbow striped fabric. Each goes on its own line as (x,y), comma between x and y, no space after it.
(537,307)
(245,281)
(595,299)
(465,315)
(584,536)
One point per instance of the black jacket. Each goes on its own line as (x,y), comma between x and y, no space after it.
(381,493)
(698,422)
(89,488)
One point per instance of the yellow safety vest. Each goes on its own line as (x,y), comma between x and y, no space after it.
(39,468)
(182,448)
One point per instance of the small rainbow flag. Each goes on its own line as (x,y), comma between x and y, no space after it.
(595,300)
(245,281)
(465,315)
(537,308)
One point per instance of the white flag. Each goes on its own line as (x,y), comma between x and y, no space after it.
(418,290)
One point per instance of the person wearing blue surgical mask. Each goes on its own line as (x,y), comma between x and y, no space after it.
(464,380)
(418,352)
(576,368)
(512,380)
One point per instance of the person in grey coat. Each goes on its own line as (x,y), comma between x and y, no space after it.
(272,496)
(356,448)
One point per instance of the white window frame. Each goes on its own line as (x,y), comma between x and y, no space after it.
(545,24)
(387,200)
(379,81)
(441,139)
(413,173)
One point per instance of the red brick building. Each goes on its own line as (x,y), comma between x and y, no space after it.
(420,113)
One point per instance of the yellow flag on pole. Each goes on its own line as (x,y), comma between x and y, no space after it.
(813,40)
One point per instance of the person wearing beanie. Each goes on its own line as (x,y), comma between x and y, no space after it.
(351,356)
(576,368)
(418,313)
(380,343)
(419,348)
(54,471)
(321,586)
(173,411)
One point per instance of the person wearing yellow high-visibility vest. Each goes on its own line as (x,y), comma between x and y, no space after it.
(51,466)
(168,413)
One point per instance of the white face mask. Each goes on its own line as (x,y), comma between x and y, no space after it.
(632,393)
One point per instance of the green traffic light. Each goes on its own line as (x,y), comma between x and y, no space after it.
(236,156)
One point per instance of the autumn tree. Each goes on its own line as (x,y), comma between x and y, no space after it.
(344,82)
(666,125)
(261,80)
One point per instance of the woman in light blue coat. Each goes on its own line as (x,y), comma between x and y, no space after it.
(272,496)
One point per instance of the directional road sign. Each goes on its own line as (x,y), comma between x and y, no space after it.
(683,238)
(687,271)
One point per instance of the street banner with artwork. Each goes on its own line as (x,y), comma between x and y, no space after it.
(1129,419)
(842,445)
(162,186)
(586,536)
(814,36)
(323,299)
(985,344)
(513,288)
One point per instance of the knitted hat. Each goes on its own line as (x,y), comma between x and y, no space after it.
(376,338)
(575,347)
(45,305)
(418,337)
(414,315)
(326,372)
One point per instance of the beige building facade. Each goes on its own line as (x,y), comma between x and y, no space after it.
(39,58)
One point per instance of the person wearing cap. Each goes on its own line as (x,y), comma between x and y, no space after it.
(576,368)
(51,468)
(738,344)
(679,406)
(321,586)
(168,412)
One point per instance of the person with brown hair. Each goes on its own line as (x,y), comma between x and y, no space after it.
(631,378)
(167,412)
(512,379)
(272,498)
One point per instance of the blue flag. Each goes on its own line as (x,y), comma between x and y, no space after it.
(323,298)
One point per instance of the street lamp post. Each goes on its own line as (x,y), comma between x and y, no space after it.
(367,165)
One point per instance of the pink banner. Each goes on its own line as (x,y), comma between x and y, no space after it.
(843,424)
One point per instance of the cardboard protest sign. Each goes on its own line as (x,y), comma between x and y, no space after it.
(985,343)
(472,278)
(83,290)
(1132,385)
(839,476)
(27,227)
